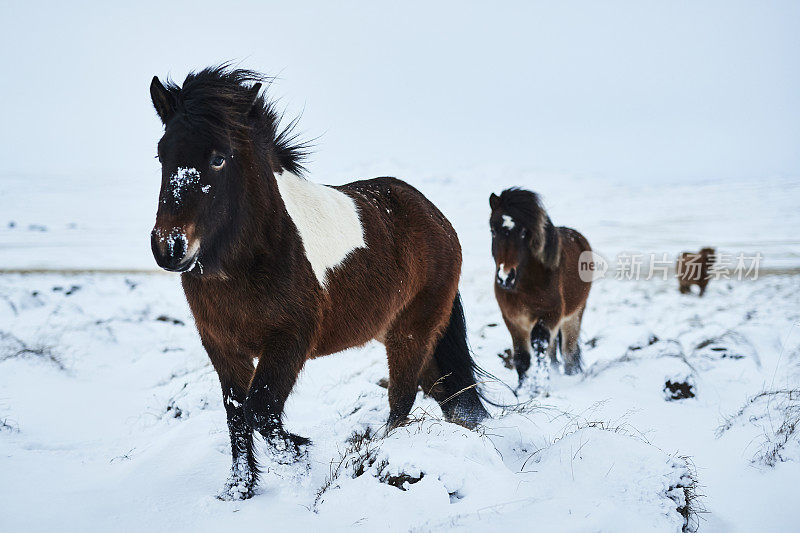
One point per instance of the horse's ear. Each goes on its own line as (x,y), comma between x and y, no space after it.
(494,201)
(254,90)
(163,100)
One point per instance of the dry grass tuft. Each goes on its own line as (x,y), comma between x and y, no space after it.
(12,347)
(777,414)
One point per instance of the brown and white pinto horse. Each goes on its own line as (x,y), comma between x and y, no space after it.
(537,283)
(280,269)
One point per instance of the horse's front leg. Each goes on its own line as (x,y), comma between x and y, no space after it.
(272,383)
(244,468)
(520,339)
(543,344)
(234,373)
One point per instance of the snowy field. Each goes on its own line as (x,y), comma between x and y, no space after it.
(651,127)
(112,416)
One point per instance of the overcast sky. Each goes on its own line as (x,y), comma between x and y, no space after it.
(618,90)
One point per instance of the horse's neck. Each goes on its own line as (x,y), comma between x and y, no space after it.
(327,221)
(259,228)
(537,269)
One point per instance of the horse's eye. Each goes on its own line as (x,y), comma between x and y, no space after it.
(524,233)
(217,162)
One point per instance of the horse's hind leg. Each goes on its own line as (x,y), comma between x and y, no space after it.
(405,355)
(570,345)
(411,344)
(449,374)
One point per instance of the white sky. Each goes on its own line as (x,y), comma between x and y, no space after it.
(622,90)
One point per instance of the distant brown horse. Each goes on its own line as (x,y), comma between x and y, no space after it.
(280,269)
(537,283)
(694,269)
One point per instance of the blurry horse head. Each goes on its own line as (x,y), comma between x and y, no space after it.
(521,230)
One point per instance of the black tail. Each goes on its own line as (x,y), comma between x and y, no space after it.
(462,403)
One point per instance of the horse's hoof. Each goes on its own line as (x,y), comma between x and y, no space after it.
(235,491)
(240,483)
(289,448)
(465,410)
(298,441)
(572,370)
(470,420)
(532,388)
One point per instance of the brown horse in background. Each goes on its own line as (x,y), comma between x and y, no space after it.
(537,283)
(694,269)
(280,269)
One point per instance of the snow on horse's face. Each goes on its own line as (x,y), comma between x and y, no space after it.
(509,249)
(199,181)
(511,243)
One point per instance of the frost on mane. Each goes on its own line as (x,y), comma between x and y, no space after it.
(182,179)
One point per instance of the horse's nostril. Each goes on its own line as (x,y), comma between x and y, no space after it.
(177,244)
(511,279)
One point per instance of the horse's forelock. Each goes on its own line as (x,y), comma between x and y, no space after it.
(525,208)
(228,103)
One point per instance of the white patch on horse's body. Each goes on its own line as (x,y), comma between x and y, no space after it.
(508,222)
(327,221)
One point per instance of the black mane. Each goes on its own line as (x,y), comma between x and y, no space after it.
(225,102)
(525,208)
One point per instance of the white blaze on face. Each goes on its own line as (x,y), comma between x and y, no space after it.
(502,274)
(326,219)
(508,222)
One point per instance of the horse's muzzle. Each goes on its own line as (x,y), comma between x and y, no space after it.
(173,251)
(506,278)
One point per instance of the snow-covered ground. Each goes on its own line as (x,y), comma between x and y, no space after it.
(112,417)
